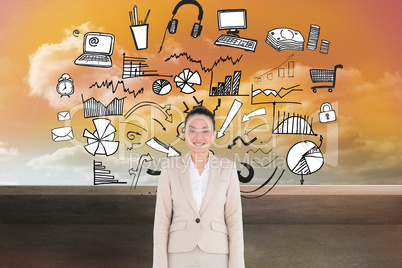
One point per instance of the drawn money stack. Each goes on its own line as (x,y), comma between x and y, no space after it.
(285,38)
(313,37)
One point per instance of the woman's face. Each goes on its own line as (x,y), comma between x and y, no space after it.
(199,133)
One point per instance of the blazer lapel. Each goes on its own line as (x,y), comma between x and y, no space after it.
(186,181)
(213,180)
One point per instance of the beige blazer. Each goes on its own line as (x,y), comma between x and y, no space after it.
(216,228)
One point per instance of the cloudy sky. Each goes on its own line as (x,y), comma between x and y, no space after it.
(42,39)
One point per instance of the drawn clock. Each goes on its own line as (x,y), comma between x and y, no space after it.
(65,86)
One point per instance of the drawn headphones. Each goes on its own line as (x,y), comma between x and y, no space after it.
(197,27)
(172,25)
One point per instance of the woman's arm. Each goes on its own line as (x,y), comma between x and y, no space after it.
(163,215)
(234,222)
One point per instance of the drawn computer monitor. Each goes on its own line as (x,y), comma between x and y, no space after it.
(232,20)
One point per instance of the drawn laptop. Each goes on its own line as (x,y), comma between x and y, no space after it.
(97,50)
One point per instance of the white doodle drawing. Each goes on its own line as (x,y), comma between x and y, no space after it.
(327,114)
(288,66)
(232,20)
(139,29)
(97,47)
(101,141)
(102,175)
(62,134)
(161,87)
(94,108)
(296,124)
(304,158)
(63,116)
(65,85)
(173,23)
(230,87)
(186,79)
(236,105)
(322,75)
(285,38)
(324,47)
(313,37)
(257,112)
(159,146)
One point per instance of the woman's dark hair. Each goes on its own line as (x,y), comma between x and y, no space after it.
(200,110)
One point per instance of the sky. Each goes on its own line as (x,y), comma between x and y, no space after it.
(42,39)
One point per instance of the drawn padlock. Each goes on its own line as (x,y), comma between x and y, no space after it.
(327,114)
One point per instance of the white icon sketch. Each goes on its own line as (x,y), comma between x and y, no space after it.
(63,116)
(62,134)
(101,141)
(186,79)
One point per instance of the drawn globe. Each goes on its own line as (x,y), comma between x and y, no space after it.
(304,158)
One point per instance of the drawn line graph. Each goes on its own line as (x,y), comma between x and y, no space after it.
(114,87)
(281,71)
(203,68)
(256,151)
(240,138)
(281,93)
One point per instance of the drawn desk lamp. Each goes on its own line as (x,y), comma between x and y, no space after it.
(65,86)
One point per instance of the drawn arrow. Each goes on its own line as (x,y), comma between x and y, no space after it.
(217,106)
(133,172)
(259,149)
(198,104)
(270,71)
(163,127)
(132,146)
(257,112)
(157,145)
(134,125)
(131,135)
(321,138)
(165,110)
(246,132)
(249,176)
(180,131)
(236,105)
(245,143)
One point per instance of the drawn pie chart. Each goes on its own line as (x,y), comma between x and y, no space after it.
(304,158)
(186,79)
(161,87)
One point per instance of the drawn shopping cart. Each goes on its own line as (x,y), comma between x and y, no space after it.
(327,76)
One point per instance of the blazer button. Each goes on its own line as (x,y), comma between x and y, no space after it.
(197,220)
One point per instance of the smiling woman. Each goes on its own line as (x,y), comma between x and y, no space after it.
(198,216)
(199,134)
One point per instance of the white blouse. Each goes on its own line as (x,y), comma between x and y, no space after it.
(199,183)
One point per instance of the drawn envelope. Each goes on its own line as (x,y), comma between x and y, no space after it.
(62,134)
(62,116)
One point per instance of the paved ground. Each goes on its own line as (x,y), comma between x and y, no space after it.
(83,230)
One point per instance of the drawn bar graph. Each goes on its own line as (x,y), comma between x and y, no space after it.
(230,87)
(94,108)
(103,176)
(133,67)
(293,124)
(279,71)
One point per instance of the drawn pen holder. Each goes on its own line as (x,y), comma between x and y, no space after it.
(140,35)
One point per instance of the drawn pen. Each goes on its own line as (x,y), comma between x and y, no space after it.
(131,18)
(146,17)
(135,15)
